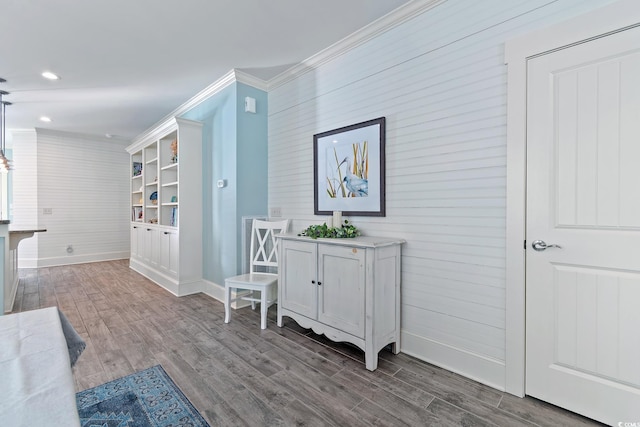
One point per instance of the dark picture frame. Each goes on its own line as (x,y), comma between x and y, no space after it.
(349,170)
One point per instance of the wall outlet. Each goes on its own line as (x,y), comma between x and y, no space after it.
(47,211)
(275,212)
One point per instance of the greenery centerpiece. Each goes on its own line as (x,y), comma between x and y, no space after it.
(345,231)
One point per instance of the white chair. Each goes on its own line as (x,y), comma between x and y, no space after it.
(262,276)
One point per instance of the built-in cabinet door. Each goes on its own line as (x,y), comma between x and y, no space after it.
(151,252)
(145,251)
(155,248)
(169,252)
(298,283)
(136,243)
(341,290)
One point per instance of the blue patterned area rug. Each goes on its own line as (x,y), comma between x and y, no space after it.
(147,398)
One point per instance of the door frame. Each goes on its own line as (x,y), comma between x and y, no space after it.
(614,17)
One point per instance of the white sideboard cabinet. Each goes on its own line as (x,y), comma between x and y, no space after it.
(166,205)
(346,289)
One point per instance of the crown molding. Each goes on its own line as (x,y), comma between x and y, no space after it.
(253,81)
(232,76)
(366,33)
(201,96)
(379,26)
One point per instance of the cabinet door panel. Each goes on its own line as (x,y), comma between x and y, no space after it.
(136,244)
(151,253)
(147,242)
(297,291)
(341,293)
(169,252)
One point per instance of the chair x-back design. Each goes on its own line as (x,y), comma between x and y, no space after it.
(262,276)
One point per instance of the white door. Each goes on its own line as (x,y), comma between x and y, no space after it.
(583,194)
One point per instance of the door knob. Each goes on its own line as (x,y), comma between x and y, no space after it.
(541,245)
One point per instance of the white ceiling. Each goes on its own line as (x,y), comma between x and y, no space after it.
(125,64)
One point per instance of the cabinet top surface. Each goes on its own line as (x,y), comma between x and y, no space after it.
(360,241)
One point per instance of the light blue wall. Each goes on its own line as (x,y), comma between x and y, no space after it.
(234,149)
(252,157)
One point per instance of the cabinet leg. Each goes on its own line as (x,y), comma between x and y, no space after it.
(371,360)
(395,347)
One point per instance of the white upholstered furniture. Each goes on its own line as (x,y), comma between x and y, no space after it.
(262,276)
(37,384)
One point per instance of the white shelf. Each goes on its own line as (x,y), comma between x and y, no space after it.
(152,183)
(137,192)
(152,206)
(136,176)
(150,161)
(136,205)
(170,184)
(170,166)
(170,204)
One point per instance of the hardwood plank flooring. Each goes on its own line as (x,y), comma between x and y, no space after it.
(238,375)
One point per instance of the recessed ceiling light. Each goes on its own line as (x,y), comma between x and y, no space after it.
(45,119)
(51,76)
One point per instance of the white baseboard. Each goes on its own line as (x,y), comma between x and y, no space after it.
(171,284)
(208,288)
(471,365)
(70,259)
(213,290)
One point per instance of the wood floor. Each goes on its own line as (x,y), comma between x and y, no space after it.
(237,375)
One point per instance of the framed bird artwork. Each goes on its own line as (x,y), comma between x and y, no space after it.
(349,170)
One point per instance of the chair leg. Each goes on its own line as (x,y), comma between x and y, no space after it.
(263,309)
(253,303)
(227,304)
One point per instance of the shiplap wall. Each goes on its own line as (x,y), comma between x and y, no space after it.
(440,80)
(84,180)
(24,206)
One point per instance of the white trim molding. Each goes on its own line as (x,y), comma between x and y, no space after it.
(75,259)
(480,368)
(611,18)
(232,76)
(390,20)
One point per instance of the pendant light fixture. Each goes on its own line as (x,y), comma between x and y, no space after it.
(4,162)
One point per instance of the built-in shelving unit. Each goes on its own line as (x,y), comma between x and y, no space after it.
(167,175)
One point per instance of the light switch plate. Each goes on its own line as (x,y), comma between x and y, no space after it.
(275,212)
